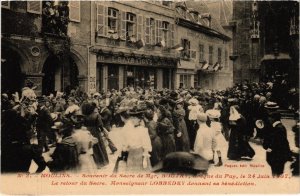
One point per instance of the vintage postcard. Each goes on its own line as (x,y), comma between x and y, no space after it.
(149,97)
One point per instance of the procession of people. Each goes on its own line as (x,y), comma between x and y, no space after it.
(154,126)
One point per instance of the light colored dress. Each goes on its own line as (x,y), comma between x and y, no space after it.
(217,128)
(205,142)
(84,142)
(136,141)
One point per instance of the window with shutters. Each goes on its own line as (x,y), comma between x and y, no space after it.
(152,31)
(34,7)
(158,27)
(226,59)
(185,53)
(201,53)
(101,22)
(210,55)
(193,54)
(165,32)
(219,55)
(130,25)
(112,19)
(74,11)
(5,4)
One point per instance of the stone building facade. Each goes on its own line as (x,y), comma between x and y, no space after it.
(266,40)
(204,60)
(54,59)
(133,45)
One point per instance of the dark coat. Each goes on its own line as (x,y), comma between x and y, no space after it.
(65,156)
(276,140)
(182,142)
(94,124)
(165,130)
(44,120)
(106,116)
(156,153)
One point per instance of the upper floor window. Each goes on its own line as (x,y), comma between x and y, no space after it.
(152,31)
(219,55)
(210,59)
(165,33)
(5,4)
(130,25)
(186,48)
(74,11)
(201,53)
(112,19)
(167,3)
(226,58)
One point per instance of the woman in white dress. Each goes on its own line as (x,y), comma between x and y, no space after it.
(136,143)
(84,143)
(205,139)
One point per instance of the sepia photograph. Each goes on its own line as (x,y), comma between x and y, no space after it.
(123,97)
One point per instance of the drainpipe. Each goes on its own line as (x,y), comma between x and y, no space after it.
(92,44)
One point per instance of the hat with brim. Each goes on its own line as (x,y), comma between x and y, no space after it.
(54,116)
(181,161)
(179,101)
(202,117)
(213,114)
(271,105)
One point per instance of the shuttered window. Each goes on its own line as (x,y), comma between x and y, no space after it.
(172,35)
(147,30)
(5,4)
(158,31)
(123,25)
(219,55)
(201,53)
(210,55)
(139,27)
(34,7)
(101,20)
(74,13)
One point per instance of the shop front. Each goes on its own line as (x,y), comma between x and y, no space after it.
(117,71)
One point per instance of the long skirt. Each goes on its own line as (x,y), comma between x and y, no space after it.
(87,163)
(168,142)
(156,154)
(134,162)
(99,149)
(238,146)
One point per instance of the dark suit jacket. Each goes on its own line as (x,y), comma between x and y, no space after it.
(276,140)
(44,120)
(106,118)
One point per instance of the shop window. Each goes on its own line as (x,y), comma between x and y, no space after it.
(185,81)
(112,19)
(210,59)
(113,77)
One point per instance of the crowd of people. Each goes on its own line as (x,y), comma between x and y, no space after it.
(153,124)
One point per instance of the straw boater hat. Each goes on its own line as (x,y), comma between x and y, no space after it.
(271,105)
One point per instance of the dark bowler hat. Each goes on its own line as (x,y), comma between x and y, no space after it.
(182,162)
(42,99)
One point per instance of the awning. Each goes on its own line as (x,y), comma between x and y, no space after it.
(272,57)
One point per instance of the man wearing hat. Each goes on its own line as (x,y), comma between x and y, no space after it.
(276,144)
(43,123)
